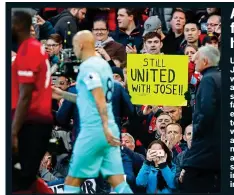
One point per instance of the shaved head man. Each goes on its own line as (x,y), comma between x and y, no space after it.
(84,44)
(97,147)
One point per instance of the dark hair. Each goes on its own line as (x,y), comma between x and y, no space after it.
(193,22)
(151,35)
(130,11)
(161,181)
(177,124)
(98,19)
(178,10)
(23,19)
(190,45)
(68,79)
(56,37)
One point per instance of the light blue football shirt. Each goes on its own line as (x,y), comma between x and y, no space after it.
(93,73)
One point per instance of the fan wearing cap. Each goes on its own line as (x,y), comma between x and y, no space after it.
(211,39)
(153,24)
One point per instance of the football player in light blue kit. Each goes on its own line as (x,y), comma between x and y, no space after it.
(96,149)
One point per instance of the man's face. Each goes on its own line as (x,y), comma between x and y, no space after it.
(63,83)
(211,10)
(173,134)
(54,47)
(117,77)
(161,123)
(199,62)
(174,112)
(212,24)
(153,45)
(123,18)
(81,14)
(100,31)
(190,51)
(178,21)
(188,135)
(127,142)
(191,33)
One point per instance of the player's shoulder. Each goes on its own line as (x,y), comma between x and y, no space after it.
(31,46)
(95,62)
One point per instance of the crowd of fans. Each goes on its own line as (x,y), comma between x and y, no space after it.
(145,128)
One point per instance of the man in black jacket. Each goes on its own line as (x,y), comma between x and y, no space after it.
(72,15)
(129,33)
(174,39)
(202,161)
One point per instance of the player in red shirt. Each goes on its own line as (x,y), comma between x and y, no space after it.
(31,103)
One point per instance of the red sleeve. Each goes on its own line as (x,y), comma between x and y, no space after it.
(191,69)
(28,64)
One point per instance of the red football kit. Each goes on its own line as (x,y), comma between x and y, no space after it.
(32,66)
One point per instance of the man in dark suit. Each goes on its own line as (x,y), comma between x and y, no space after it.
(202,162)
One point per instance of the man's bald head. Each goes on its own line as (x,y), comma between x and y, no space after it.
(83,42)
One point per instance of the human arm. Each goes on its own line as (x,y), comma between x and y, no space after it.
(21,111)
(168,174)
(99,97)
(46,28)
(65,111)
(143,175)
(58,94)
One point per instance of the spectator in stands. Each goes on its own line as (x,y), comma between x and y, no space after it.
(204,18)
(54,47)
(193,79)
(118,75)
(161,120)
(181,115)
(173,138)
(152,43)
(63,82)
(158,172)
(211,39)
(202,162)
(161,123)
(173,40)
(191,35)
(106,46)
(74,16)
(68,110)
(212,23)
(190,50)
(128,33)
(55,43)
(180,158)
(153,24)
(132,161)
(121,104)
(47,171)
(175,112)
